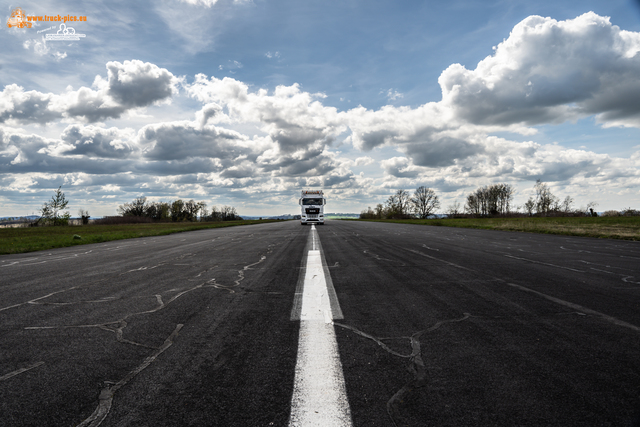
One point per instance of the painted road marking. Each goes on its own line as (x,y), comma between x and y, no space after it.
(319,394)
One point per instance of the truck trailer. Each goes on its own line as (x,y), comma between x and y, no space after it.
(312,207)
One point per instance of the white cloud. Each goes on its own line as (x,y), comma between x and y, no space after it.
(182,140)
(393,95)
(364,161)
(210,3)
(41,48)
(549,72)
(129,85)
(94,141)
(294,119)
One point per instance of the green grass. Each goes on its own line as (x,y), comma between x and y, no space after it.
(20,240)
(627,228)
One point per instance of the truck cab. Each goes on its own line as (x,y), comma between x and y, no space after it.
(312,207)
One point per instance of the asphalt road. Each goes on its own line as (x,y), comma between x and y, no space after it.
(441,327)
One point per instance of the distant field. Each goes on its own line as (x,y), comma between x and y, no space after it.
(20,240)
(627,228)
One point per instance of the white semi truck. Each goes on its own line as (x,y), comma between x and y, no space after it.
(312,207)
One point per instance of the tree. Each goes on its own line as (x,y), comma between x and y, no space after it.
(472,206)
(566,204)
(505,196)
(202,207)
(398,204)
(544,199)
(228,213)
(379,210)
(177,210)
(84,214)
(191,209)
(530,206)
(52,212)
(453,209)
(424,201)
(136,208)
(490,200)
(367,214)
(158,211)
(215,214)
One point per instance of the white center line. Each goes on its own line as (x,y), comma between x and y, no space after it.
(319,394)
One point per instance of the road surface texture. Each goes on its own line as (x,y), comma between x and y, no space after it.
(434,326)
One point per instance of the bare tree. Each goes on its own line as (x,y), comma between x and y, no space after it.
(566,204)
(424,201)
(545,200)
(530,206)
(368,214)
(453,209)
(379,210)
(216,215)
(505,197)
(398,204)
(472,205)
(202,208)
(229,213)
(402,202)
(490,200)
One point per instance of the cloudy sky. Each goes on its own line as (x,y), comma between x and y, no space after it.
(245,102)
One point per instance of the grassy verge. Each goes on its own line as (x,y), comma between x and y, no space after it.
(20,240)
(627,228)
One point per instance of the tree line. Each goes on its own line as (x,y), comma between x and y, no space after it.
(401,204)
(488,200)
(177,210)
(53,212)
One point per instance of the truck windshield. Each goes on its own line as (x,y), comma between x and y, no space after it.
(308,202)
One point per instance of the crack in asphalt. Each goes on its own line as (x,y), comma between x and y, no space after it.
(19,371)
(379,258)
(416,365)
(106,395)
(117,326)
(545,263)
(33,301)
(48,257)
(245,268)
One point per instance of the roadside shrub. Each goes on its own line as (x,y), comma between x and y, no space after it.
(114,220)
(611,213)
(630,212)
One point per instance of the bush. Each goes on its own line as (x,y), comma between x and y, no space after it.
(114,220)
(630,212)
